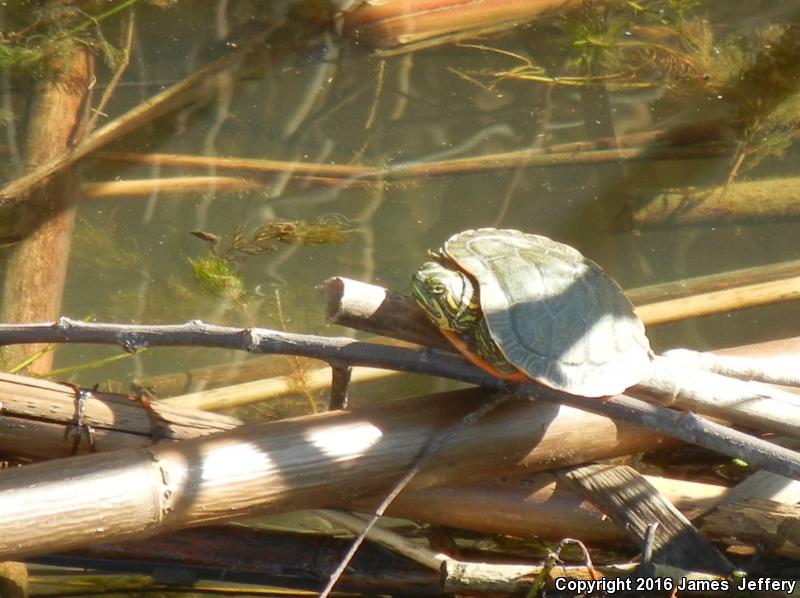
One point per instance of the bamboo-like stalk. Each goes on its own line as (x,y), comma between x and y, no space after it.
(269,388)
(170,185)
(527,159)
(698,140)
(37,268)
(306,462)
(167,186)
(37,413)
(244,165)
(772,370)
(229,373)
(715,302)
(534,506)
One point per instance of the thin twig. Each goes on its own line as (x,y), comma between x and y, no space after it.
(112,84)
(373,111)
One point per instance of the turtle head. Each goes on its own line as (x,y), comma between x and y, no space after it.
(446,295)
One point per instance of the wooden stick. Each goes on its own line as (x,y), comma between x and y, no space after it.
(36,412)
(244,165)
(169,185)
(671,140)
(764,293)
(527,159)
(534,507)
(758,521)
(772,370)
(269,388)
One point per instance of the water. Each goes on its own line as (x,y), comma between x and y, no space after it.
(318,97)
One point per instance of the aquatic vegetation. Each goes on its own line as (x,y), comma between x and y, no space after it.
(33,37)
(327,230)
(593,36)
(298,379)
(627,45)
(751,79)
(766,98)
(219,278)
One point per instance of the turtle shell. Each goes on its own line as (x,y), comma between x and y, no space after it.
(553,313)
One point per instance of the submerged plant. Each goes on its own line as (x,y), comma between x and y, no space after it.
(50,31)
(623,45)
(328,230)
(219,278)
(766,96)
(593,36)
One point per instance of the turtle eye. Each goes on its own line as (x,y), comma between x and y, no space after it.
(437,288)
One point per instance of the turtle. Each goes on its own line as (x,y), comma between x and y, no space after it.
(523,306)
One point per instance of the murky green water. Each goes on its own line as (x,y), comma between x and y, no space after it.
(316,96)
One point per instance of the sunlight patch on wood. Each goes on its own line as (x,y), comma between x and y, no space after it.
(345,441)
(242,461)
